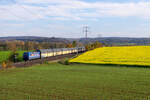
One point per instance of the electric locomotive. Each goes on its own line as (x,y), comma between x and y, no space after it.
(44,53)
(31,55)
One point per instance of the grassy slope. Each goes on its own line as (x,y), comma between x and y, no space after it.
(5,54)
(75,82)
(127,55)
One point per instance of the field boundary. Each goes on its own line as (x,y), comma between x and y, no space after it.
(113,65)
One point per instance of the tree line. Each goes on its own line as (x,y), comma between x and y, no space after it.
(18,45)
(33,45)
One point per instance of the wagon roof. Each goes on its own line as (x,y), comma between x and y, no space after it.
(46,50)
(60,49)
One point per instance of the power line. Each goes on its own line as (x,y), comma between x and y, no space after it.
(13,1)
(5,9)
(12,13)
(86,30)
(29,11)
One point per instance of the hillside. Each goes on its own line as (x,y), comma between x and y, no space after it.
(118,40)
(127,55)
(105,40)
(35,38)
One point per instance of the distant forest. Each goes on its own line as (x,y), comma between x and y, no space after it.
(16,45)
(33,43)
(118,41)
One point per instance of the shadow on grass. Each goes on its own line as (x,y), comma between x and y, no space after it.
(114,65)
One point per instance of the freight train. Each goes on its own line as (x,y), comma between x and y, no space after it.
(45,53)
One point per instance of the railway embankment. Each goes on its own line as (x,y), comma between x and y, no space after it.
(41,61)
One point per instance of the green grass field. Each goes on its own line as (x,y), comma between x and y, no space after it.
(75,82)
(5,54)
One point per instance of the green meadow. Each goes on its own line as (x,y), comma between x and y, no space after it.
(54,81)
(4,55)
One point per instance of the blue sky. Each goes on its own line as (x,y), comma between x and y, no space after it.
(66,18)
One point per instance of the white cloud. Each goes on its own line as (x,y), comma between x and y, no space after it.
(12,25)
(71,10)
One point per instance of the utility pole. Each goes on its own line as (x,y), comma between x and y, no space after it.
(86,31)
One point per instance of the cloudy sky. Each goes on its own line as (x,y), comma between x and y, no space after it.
(66,18)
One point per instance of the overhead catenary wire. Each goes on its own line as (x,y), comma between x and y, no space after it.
(29,11)
(12,13)
(16,15)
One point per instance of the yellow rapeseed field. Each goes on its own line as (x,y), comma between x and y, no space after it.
(126,55)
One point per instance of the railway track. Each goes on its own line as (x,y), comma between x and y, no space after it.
(41,61)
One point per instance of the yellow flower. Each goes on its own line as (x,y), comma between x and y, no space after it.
(126,55)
